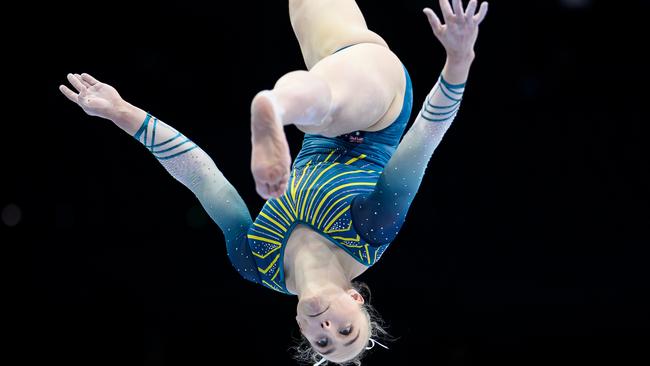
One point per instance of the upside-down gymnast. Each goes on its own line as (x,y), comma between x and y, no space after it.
(332,214)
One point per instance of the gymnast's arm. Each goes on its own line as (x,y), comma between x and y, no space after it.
(383,211)
(182,158)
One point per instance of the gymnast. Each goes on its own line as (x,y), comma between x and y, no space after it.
(331,214)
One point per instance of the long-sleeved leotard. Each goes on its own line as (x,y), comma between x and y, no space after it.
(355,190)
(386,207)
(191,166)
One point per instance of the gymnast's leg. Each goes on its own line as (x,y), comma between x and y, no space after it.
(358,88)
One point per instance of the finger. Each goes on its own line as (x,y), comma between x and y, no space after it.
(471,9)
(447,13)
(458,7)
(82,80)
(482,12)
(76,83)
(69,93)
(92,81)
(436,25)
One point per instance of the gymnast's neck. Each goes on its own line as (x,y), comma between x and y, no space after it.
(312,265)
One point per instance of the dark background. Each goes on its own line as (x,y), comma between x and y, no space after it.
(527,243)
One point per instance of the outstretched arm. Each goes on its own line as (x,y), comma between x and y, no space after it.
(386,207)
(183,159)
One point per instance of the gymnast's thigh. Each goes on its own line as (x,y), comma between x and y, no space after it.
(325,26)
(367,83)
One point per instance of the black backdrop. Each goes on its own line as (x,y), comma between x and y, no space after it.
(527,243)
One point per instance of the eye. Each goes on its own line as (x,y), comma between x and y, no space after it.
(322,342)
(347,331)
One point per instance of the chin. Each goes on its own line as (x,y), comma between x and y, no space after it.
(311,305)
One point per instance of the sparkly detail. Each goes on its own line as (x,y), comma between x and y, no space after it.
(403,174)
(319,195)
(335,185)
(328,175)
(174,143)
(192,167)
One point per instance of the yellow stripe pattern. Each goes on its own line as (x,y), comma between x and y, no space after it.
(320,194)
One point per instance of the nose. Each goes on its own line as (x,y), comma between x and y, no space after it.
(326,324)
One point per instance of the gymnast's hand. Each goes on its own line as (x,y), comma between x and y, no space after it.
(95,98)
(460,31)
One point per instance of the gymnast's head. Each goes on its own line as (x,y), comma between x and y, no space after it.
(337,325)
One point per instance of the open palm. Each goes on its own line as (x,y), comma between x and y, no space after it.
(95,98)
(459,32)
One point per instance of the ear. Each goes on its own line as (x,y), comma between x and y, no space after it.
(356,296)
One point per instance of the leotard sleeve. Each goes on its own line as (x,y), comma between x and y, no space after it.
(383,211)
(191,166)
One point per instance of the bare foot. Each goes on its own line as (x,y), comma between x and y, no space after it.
(271,159)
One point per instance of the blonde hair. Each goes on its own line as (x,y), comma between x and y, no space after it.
(304,353)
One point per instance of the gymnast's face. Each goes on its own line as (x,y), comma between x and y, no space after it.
(334,323)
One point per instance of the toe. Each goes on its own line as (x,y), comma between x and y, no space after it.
(268,188)
(282,187)
(262,190)
(275,191)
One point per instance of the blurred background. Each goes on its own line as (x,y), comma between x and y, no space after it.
(537,198)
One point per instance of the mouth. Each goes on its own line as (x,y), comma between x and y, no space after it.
(321,313)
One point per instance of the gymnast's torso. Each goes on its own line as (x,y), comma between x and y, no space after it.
(319,204)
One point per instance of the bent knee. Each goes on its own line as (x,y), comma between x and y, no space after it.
(306,98)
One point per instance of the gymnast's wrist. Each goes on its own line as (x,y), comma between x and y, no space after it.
(465,58)
(127,116)
(456,70)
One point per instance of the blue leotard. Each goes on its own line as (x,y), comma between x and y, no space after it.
(327,175)
(355,190)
